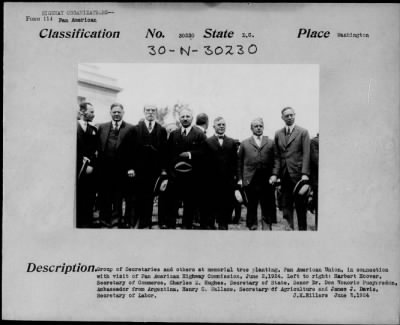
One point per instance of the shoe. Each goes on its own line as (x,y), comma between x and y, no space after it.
(163,227)
(253,227)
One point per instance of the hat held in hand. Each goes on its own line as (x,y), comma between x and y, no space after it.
(183,167)
(161,185)
(241,196)
(302,188)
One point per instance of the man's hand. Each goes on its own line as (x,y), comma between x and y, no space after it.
(272,179)
(89,170)
(304,177)
(184,155)
(163,173)
(240,183)
(131,173)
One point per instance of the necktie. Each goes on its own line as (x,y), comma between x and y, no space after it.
(116,125)
(184,132)
(150,126)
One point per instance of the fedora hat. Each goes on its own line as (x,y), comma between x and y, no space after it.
(302,188)
(183,167)
(161,185)
(241,196)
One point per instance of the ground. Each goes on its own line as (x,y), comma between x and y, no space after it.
(281,225)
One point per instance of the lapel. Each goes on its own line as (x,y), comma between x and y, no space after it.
(155,128)
(80,130)
(216,142)
(122,131)
(104,134)
(179,134)
(282,137)
(264,141)
(143,125)
(253,142)
(293,136)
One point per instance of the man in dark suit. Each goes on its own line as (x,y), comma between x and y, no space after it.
(256,160)
(314,162)
(85,163)
(151,144)
(185,145)
(221,160)
(116,149)
(292,164)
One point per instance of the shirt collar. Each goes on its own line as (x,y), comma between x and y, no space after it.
(118,123)
(187,129)
(255,137)
(290,127)
(152,123)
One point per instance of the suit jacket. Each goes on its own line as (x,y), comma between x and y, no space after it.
(221,162)
(252,158)
(314,157)
(125,150)
(293,155)
(151,150)
(86,145)
(177,143)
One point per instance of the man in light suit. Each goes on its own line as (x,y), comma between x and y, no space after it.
(85,164)
(256,160)
(117,155)
(221,160)
(184,145)
(292,164)
(151,144)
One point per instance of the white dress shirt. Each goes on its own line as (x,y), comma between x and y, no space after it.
(289,129)
(118,124)
(220,140)
(258,140)
(152,125)
(187,129)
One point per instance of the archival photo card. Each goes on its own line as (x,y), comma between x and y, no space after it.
(161,162)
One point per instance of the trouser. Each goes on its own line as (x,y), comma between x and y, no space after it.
(315,199)
(288,200)
(145,201)
(222,209)
(112,193)
(181,190)
(85,198)
(262,194)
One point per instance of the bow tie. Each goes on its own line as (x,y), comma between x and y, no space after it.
(221,137)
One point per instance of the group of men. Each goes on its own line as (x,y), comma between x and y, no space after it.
(127,165)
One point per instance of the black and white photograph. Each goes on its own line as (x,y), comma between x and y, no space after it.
(161,162)
(226,147)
